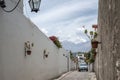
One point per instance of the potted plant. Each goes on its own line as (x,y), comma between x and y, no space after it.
(45,53)
(94,44)
(92,36)
(28,48)
(29,52)
(55,41)
(95,26)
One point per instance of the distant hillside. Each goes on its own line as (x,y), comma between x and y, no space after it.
(80,47)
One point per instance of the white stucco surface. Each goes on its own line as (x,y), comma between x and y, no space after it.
(15,30)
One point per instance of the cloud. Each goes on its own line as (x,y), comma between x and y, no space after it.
(71,30)
(65,18)
(65,10)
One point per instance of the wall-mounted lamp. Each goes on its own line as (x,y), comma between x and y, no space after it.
(34,5)
(2,4)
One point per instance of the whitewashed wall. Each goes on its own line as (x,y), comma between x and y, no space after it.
(15,30)
(63,61)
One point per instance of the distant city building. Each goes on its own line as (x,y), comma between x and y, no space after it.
(81,57)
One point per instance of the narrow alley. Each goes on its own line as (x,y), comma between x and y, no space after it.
(59,39)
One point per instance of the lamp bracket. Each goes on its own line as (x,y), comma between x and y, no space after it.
(2,4)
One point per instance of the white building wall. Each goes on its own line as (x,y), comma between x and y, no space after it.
(15,30)
(63,67)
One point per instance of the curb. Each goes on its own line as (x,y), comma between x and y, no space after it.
(64,75)
(92,76)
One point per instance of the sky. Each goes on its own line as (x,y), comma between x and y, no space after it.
(65,19)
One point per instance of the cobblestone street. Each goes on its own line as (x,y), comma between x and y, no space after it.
(75,76)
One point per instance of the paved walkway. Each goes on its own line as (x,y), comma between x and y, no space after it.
(75,75)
